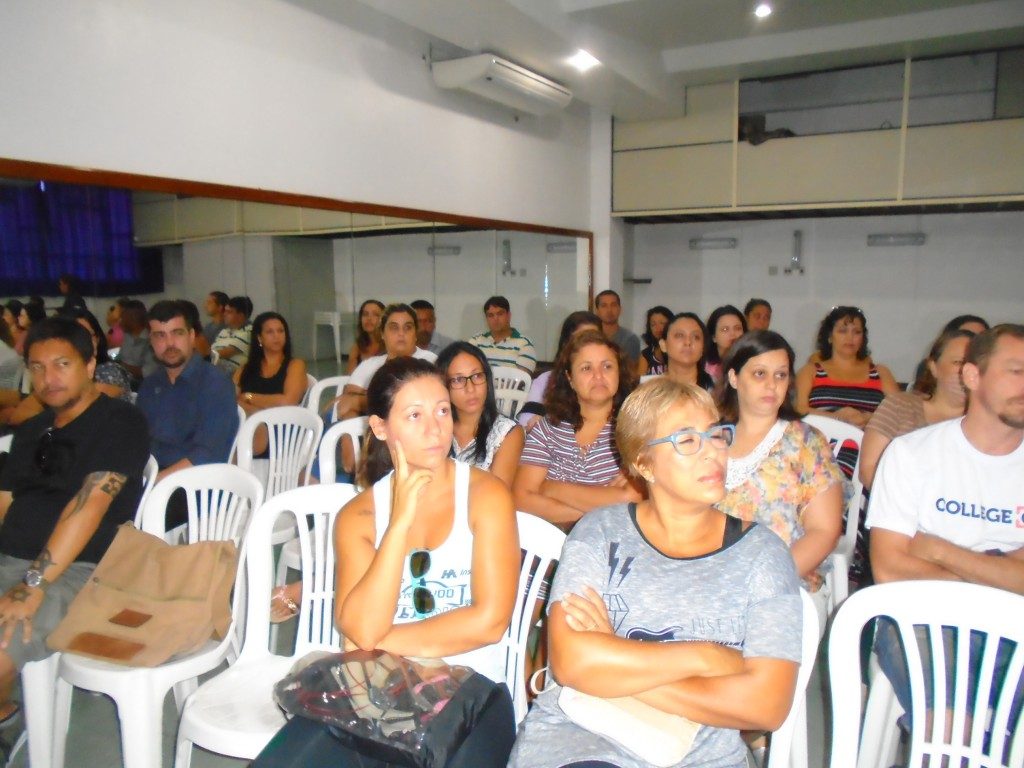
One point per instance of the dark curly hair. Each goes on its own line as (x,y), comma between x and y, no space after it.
(560,401)
(824,343)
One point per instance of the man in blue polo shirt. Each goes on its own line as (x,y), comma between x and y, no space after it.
(189,404)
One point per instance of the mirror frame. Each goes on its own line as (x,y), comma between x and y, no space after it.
(27,169)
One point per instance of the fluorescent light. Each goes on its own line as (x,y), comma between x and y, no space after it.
(562,246)
(763,11)
(889,239)
(713,243)
(583,61)
(444,250)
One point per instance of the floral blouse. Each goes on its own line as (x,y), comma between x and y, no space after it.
(794,469)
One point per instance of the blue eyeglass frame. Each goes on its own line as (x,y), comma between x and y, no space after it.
(728,429)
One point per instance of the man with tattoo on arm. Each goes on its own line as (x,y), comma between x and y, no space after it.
(74,474)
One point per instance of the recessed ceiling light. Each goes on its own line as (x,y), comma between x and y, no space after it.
(583,61)
(763,11)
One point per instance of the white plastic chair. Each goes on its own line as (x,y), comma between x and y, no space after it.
(5,443)
(148,481)
(234,713)
(992,739)
(837,433)
(788,745)
(310,384)
(221,502)
(333,319)
(293,434)
(541,543)
(333,384)
(511,388)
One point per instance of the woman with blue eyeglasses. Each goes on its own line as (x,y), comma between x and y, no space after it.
(428,555)
(668,602)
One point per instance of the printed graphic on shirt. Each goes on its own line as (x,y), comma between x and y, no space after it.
(449,589)
(618,570)
(980,511)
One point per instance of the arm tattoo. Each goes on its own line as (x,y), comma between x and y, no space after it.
(110,483)
(44,561)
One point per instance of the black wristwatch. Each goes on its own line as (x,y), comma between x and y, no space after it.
(34,578)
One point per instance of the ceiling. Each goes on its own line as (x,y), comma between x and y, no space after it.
(650,50)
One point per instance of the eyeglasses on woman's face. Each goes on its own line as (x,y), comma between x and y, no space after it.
(459,382)
(689,441)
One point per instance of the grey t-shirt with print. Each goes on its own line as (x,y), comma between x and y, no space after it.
(745,596)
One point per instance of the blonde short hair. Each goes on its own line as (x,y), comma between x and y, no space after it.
(638,419)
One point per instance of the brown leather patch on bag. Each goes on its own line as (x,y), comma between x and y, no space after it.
(95,644)
(130,618)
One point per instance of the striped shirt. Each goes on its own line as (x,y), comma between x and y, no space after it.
(516,350)
(233,338)
(828,394)
(554,446)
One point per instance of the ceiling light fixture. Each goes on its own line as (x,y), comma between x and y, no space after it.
(763,11)
(583,61)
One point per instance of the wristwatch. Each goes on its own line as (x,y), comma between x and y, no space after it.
(34,578)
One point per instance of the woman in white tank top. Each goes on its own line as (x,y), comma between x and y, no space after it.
(428,555)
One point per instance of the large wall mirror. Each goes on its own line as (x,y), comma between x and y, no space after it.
(304,255)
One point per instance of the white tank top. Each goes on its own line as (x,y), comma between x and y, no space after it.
(448,578)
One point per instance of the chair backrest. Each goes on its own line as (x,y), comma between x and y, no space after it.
(310,383)
(332,384)
(839,433)
(293,434)
(511,388)
(148,481)
(221,500)
(5,443)
(789,743)
(327,456)
(981,625)
(541,545)
(312,510)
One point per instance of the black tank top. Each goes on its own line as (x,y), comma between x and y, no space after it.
(258,385)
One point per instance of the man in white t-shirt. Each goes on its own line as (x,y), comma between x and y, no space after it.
(948,500)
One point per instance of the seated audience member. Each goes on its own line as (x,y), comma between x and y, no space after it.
(844,384)
(110,378)
(608,307)
(368,341)
(136,355)
(70,288)
(189,404)
(652,357)
(781,473)
(503,344)
(533,408)
(938,395)
(11,365)
(12,313)
(945,504)
(569,464)
(684,352)
(115,333)
(758,313)
(202,347)
(73,476)
(424,519)
(399,336)
(427,336)
(215,303)
(232,343)
(271,377)
(971,323)
(725,325)
(713,626)
(32,311)
(483,437)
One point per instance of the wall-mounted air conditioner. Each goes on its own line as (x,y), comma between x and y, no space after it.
(499,80)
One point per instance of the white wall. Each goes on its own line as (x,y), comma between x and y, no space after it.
(971,263)
(264,93)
